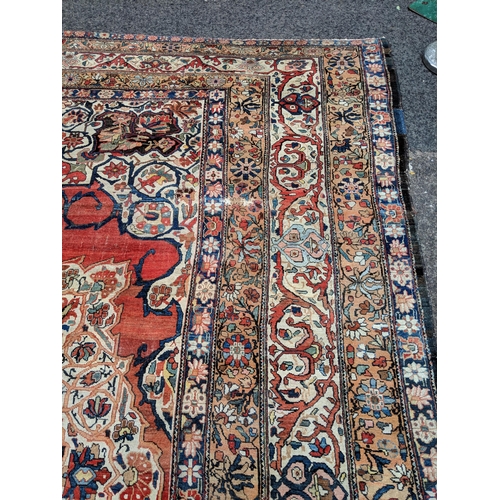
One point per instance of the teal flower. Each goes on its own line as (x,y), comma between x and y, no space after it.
(374,400)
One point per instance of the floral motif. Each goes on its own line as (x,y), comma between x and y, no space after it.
(201,322)
(419,396)
(401,476)
(137,477)
(160,295)
(425,429)
(400,272)
(209,265)
(319,448)
(206,291)
(85,472)
(375,399)
(408,324)
(194,403)
(405,302)
(189,495)
(99,315)
(416,372)
(115,170)
(125,430)
(230,292)
(97,408)
(106,280)
(83,351)
(211,245)
(351,188)
(198,370)
(192,442)
(190,471)
(356,329)
(237,350)
(225,413)
(198,346)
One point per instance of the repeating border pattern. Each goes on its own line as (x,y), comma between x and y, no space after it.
(382,279)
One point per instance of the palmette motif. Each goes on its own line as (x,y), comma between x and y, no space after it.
(253,329)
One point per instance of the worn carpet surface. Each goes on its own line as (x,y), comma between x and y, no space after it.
(241,314)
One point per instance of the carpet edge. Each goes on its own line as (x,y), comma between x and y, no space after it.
(412,225)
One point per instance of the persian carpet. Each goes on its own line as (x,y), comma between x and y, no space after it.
(241,313)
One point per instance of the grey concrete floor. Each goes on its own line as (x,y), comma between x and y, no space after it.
(407,33)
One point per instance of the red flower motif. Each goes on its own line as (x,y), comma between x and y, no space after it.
(252,294)
(381,362)
(160,295)
(213,226)
(369,240)
(71,140)
(367,437)
(237,350)
(97,315)
(97,408)
(245,322)
(83,351)
(319,448)
(253,266)
(115,169)
(234,443)
(393,213)
(229,314)
(107,279)
(171,360)
(137,478)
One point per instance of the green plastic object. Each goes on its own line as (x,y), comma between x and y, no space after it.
(426,8)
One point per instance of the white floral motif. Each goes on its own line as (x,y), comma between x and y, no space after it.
(415,372)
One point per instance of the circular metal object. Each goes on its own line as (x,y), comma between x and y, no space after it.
(430,57)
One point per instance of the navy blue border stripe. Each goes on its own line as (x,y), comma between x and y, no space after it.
(427,311)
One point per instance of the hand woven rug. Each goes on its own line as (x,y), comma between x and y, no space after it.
(241,318)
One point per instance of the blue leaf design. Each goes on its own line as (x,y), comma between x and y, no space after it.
(381,491)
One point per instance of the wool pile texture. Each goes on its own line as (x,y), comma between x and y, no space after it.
(241,315)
